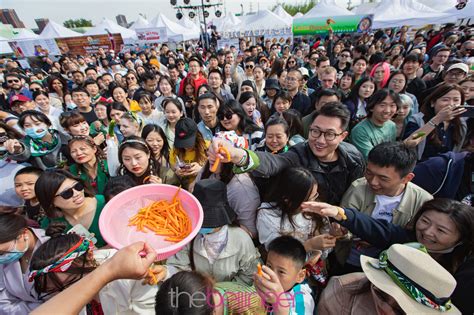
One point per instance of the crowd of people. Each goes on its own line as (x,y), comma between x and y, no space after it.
(348,187)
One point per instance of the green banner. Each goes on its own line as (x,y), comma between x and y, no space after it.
(339,24)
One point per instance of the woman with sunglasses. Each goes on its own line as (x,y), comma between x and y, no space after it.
(233,118)
(291,64)
(90,165)
(66,258)
(131,79)
(18,242)
(65,198)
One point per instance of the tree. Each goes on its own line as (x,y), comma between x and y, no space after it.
(77,23)
(292,9)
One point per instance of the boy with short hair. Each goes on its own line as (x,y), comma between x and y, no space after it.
(281,282)
(25,180)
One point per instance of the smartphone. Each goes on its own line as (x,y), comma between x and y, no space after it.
(469,111)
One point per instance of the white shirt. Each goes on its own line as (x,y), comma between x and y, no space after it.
(384,207)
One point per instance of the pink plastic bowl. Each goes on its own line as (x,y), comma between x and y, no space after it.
(113,221)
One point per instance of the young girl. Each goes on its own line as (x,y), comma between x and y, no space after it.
(189,153)
(131,124)
(148,113)
(90,165)
(155,137)
(284,216)
(173,112)
(101,125)
(380,72)
(233,118)
(189,97)
(378,126)
(259,77)
(115,111)
(356,102)
(281,102)
(346,82)
(166,88)
(137,162)
(249,104)
(65,198)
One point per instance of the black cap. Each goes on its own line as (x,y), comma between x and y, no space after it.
(212,194)
(272,84)
(185,133)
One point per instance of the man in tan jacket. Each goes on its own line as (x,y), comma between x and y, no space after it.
(385,193)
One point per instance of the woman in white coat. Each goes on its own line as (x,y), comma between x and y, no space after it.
(221,250)
(18,242)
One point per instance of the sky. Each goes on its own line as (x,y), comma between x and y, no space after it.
(95,10)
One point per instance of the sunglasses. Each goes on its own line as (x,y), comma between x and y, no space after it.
(34,90)
(226,115)
(13,81)
(249,66)
(68,193)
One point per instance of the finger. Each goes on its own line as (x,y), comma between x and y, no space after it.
(270,273)
(151,255)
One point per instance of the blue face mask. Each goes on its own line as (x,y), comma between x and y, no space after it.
(13,256)
(33,131)
(205,231)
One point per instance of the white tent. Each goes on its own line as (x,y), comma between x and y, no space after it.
(174,31)
(108,25)
(263,20)
(55,30)
(466,13)
(228,23)
(327,8)
(391,13)
(24,33)
(283,14)
(141,22)
(298,15)
(440,5)
(365,8)
(4,47)
(188,24)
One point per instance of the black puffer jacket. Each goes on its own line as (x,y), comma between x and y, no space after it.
(332,183)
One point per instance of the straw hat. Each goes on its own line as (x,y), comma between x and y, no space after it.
(417,267)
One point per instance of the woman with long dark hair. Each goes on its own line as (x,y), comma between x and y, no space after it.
(65,198)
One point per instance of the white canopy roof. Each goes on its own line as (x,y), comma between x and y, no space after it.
(283,14)
(174,31)
(141,22)
(188,24)
(24,33)
(4,47)
(227,23)
(440,5)
(391,13)
(298,15)
(327,8)
(365,8)
(55,30)
(465,13)
(264,19)
(112,27)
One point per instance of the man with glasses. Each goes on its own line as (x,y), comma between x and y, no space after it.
(20,103)
(334,163)
(16,86)
(301,102)
(82,99)
(454,74)
(343,63)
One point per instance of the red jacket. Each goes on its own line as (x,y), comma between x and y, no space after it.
(196,83)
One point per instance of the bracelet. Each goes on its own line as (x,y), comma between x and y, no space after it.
(243,160)
(432,124)
(341,213)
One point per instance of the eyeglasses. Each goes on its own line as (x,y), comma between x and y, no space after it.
(396,81)
(291,61)
(291,79)
(328,135)
(456,74)
(249,66)
(68,193)
(130,78)
(34,90)
(345,56)
(13,81)
(314,59)
(226,115)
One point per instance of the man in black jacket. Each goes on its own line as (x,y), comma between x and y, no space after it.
(335,164)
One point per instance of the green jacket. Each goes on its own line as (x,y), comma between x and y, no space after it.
(101,180)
